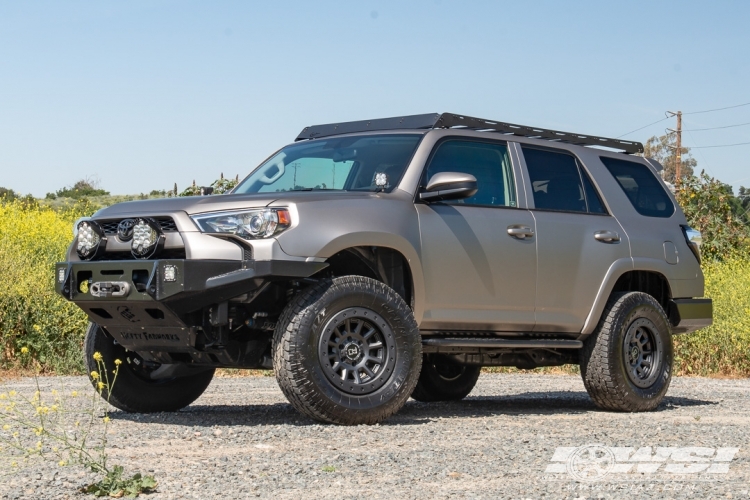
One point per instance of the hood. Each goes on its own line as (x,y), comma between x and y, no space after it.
(213,203)
(189,204)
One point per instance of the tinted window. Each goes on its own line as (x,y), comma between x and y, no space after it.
(592,197)
(489,163)
(555,180)
(643,189)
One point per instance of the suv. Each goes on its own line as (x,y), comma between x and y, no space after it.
(376,260)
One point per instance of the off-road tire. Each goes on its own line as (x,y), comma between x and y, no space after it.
(441,380)
(133,393)
(604,366)
(300,368)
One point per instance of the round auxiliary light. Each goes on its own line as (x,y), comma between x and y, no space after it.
(90,240)
(148,239)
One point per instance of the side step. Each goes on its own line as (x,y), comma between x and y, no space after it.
(502,343)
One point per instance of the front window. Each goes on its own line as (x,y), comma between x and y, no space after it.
(358,163)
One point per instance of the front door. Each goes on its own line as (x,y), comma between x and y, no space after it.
(478,276)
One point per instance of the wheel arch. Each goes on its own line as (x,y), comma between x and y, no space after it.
(381,263)
(622,276)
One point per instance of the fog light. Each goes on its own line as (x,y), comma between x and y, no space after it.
(147,239)
(170,273)
(90,240)
(61,275)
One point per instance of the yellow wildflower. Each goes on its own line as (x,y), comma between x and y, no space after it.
(37,328)
(100,385)
(12,393)
(14,464)
(74,394)
(54,407)
(38,444)
(61,463)
(106,420)
(24,350)
(3,396)
(94,375)
(97,356)
(6,427)
(118,362)
(54,392)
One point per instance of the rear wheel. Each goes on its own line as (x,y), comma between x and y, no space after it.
(626,364)
(442,380)
(142,387)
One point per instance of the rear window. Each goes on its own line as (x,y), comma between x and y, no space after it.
(643,189)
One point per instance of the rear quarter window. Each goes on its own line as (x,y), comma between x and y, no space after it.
(641,186)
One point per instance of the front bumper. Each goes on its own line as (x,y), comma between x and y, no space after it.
(165,298)
(689,315)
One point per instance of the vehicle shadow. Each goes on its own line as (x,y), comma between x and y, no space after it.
(413,413)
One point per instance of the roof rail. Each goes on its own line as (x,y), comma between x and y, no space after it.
(450,120)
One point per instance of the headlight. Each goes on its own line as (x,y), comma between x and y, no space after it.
(148,239)
(90,239)
(248,224)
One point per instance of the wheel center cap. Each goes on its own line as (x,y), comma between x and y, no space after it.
(352,351)
(634,352)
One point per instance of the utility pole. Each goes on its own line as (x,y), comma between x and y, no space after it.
(678,152)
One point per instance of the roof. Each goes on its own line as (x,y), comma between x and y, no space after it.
(463,122)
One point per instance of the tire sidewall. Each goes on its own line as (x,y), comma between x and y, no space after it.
(405,336)
(633,309)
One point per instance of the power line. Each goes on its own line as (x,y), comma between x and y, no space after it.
(721,145)
(716,109)
(716,128)
(636,130)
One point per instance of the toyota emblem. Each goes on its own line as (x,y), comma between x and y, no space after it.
(125,229)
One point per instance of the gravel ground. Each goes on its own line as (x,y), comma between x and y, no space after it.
(242,440)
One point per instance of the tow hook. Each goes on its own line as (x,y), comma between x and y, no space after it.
(110,289)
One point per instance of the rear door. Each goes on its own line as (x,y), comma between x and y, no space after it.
(577,239)
(477,275)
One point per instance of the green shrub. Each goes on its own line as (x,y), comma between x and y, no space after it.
(32,315)
(724,347)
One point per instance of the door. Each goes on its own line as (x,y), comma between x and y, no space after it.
(478,276)
(577,240)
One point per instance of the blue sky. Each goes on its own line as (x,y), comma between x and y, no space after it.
(143,94)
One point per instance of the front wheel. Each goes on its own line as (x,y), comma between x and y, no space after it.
(347,351)
(442,380)
(141,387)
(626,364)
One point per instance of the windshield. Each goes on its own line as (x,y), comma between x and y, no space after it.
(359,163)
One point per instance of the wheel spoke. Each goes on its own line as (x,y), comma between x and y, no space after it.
(357,380)
(369,333)
(358,329)
(375,345)
(368,371)
(344,373)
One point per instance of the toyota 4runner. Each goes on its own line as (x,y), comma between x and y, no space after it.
(373,261)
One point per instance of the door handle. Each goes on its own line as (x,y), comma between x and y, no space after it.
(607,236)
(520,232)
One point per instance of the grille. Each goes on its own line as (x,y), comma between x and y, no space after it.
(110,226)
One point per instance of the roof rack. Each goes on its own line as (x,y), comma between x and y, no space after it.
(450,120)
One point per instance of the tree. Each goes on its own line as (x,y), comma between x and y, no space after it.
(662,149)
(82,188)
(7,194)
(708,207)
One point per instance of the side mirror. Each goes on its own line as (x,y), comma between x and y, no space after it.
(449,186)
(207,190)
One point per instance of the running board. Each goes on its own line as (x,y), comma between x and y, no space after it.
(503,343)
